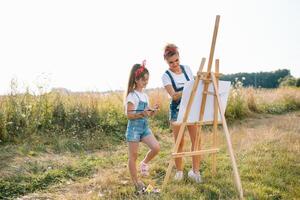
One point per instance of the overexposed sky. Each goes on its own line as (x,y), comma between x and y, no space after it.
(91,45)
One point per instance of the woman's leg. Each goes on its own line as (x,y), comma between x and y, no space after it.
(153,144)
(195,159)
(178,161)
(133,154)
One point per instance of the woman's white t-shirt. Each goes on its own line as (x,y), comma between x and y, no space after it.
(134,98)
(179,79)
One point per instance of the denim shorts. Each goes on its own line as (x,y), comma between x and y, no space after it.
(174,110)
(173,114)
(137,129)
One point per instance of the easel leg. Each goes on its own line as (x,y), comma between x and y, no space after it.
(198,139)
(198,135)
(228,140)
(168,173)
(215,125)
(214,155)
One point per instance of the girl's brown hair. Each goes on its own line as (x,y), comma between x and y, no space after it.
(170,50)
(137,72)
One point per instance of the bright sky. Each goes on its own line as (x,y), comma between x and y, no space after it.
(91,45)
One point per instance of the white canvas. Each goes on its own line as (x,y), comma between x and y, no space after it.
(224,88)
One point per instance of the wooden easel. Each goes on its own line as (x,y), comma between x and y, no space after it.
(206,77)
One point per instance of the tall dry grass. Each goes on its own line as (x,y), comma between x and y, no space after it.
(99,115)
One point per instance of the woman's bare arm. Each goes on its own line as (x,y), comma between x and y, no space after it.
(175,95)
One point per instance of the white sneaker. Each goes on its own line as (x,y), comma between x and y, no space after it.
(195,176)
(178,176)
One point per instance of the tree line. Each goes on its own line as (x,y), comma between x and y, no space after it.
(273,79)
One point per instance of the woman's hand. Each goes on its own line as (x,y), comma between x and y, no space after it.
(176,96)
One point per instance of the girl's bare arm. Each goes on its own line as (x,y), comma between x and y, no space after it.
(132,115)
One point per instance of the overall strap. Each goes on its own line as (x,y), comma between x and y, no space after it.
(140,98)
(137,95)
(184,72)
(172,79)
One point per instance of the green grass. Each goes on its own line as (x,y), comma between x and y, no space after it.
(268,163)
(48,141)
(269,170)
(37,177)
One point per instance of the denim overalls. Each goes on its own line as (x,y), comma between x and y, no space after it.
(174,105)
(138,128)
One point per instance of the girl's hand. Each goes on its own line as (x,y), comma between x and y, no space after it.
(150,113)
(146,113)
(153,111)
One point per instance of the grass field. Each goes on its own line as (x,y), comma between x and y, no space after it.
(83,155)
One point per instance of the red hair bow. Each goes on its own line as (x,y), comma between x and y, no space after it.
(140,69)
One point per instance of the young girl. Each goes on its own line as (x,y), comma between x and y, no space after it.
(138,110)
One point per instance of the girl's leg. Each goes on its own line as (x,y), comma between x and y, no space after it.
(195,159)
(153,144)
(178,161)
(133,154)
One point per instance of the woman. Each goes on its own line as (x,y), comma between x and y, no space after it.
(173,81)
